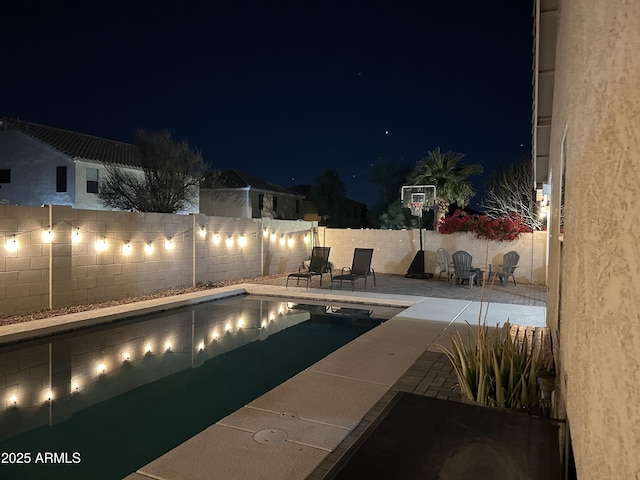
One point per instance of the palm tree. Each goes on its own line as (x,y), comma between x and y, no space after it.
(442,170)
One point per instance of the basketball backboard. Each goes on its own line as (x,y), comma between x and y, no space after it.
(413,195)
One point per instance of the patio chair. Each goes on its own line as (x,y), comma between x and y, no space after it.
(318,266)
(443,258)
(360,268)
(506,269)
(321,252)
(462,268)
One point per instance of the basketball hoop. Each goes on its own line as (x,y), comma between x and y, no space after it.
(416,208)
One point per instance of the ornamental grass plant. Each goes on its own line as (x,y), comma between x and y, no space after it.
(498,367)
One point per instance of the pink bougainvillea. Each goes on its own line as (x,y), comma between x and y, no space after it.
(500,229)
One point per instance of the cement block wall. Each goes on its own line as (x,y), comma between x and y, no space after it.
(95,255)
(394,250)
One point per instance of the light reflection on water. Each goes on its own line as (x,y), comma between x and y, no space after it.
(46,381)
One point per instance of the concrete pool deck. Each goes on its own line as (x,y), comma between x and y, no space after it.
(298,429)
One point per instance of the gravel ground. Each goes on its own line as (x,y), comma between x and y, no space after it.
(8,320)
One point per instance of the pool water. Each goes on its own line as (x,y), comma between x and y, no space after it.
(124,394)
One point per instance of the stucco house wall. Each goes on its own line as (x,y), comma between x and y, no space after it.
(245,203)
(594,302)
(33,161)
(33,171)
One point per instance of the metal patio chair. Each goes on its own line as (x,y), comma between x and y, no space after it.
(318,267)
(360,268)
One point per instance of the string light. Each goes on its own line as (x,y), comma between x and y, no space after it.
(203,231)
(101,245)
(47,236)
(11,244)
(216,239)
(75,237)
(148,248)
(126,248)
(168,244)
(242,241)
(229,241)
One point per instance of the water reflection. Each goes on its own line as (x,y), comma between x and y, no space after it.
(46,381)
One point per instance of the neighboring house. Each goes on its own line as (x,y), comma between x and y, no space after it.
(244,196)
(41,165)
(356,212)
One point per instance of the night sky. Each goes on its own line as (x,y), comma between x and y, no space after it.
(280,90)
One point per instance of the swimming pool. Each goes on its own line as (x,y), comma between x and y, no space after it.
(103,401)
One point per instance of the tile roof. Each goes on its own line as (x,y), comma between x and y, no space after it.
(235,179)
(78,145)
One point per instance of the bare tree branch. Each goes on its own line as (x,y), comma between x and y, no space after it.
(511,190)
(169,181)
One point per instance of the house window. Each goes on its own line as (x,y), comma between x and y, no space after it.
(61,179)
(275,204)
(261,201)
(92,180)
(5,175)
